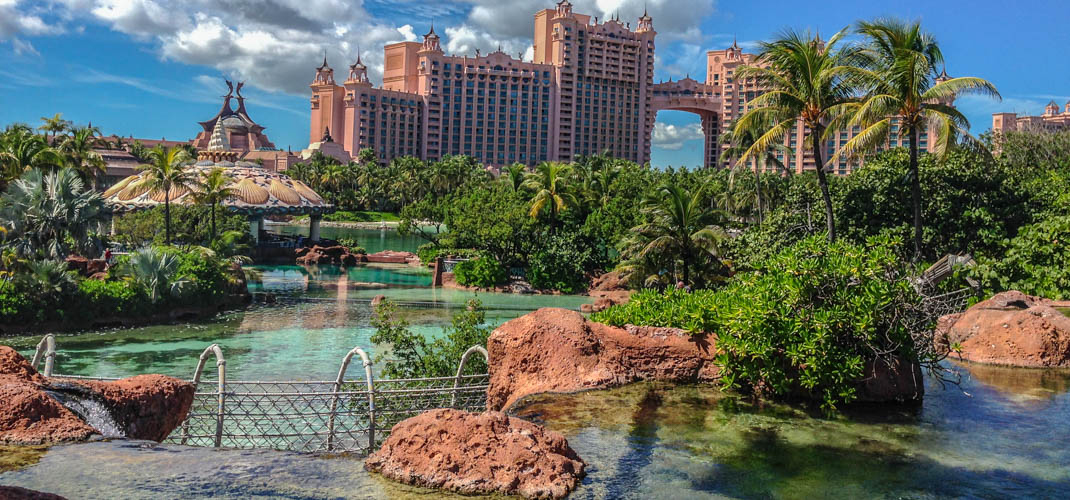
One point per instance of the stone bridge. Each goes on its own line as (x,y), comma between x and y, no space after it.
(694,97)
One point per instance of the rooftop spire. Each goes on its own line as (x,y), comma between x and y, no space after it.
(324,65)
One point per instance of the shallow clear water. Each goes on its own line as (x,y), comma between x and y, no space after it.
(1002,434)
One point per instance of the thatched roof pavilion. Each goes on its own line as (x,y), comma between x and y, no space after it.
(257,192)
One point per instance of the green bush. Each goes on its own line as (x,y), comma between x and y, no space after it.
(1035,261)
(106,298)
(482,272)
(413,355)
(803,323)
(564,262)
(352,245)
(17,307)
(675,308)
(208,275)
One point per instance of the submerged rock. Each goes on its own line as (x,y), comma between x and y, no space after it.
(557,350)
(483,453)
(141,407)
(1011,328)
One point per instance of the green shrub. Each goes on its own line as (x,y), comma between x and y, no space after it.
(1035,261)
(564,261)
(208,275)
(675,308)
(107,298)
(805,322)
(413,355)
(482,272)
(352,245)
(16,307)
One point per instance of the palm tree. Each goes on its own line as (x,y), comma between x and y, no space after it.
(50,214)
(604,172)
(680,227)
(550,184)
(154,270)
(808,81)
(212,189)
(22,150)
(55,125)
(899,63)
(78,148)
(514,175)
(739,141)
(167,172)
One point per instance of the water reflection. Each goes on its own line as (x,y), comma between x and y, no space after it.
(1027,386)
(659,441)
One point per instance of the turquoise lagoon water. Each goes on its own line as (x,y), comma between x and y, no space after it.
(322,312)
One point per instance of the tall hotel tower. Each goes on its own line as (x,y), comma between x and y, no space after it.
(587,91)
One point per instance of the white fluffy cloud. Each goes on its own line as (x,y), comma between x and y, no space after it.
(672,137)
(275,44)
(673,19)
(19,19)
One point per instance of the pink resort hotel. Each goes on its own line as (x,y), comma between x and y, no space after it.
(589,89)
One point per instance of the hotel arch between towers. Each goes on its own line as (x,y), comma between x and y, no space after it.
(589,89)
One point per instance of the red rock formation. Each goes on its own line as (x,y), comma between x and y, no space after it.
(145,407)
(612,281)
(17,493)
(557,350)
(483,453)
(607,290)
(1011,328)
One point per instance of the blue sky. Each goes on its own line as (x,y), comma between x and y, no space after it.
(153,68)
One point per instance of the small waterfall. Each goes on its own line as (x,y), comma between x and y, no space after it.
(91,411)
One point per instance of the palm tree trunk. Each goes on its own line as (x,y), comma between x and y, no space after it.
(822,180)
(213,224)
(167,216)
(758,190)
(915,191)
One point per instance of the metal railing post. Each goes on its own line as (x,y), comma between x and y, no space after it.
(220,364)
(338,387)
(48,343)
(460,369)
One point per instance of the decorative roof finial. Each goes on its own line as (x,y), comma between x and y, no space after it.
(326,135)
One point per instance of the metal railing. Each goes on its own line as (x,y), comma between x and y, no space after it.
(344,415)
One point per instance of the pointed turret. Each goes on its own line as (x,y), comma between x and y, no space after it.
(324,73)
(431,41)
(646,23)
(358,72)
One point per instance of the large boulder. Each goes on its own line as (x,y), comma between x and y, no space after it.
(28,415)
(482,453)
(142,407)
(1011,328)
(557,350)
(17,493)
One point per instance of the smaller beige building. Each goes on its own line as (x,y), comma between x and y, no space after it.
(1051,120)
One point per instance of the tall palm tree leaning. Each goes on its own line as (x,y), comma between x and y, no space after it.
(809,81)
(167,172)
(54,125)
(899,64)
(550,184)
(212,189)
